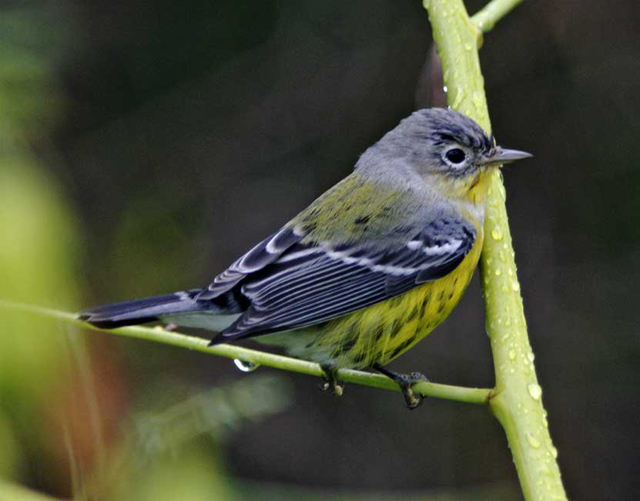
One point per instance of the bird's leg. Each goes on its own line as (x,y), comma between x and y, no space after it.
(405,382)
(331,381)
(170,327)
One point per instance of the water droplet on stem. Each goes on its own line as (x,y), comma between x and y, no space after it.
(533,441)
(534,391)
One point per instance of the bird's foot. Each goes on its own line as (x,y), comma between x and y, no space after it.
(330,380)
(405,382)
(170,327)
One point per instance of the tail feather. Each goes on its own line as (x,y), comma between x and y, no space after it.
(145,310)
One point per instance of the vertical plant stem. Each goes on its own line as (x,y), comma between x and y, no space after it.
(517,400)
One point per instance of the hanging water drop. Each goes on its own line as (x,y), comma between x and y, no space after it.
(244,365)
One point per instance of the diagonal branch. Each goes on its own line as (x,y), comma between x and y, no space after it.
(256,357)
(491,13)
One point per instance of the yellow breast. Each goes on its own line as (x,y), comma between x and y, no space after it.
(381,332)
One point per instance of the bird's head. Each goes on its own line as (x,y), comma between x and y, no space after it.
(445,148)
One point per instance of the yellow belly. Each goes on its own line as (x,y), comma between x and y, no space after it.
(381,332)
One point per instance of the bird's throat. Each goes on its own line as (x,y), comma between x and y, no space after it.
(478,187)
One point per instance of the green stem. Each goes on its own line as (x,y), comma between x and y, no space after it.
(491,13)
(157,334)
(517,401)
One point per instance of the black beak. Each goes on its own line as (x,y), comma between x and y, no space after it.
(502,156)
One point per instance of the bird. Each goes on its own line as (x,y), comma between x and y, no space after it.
(366,270)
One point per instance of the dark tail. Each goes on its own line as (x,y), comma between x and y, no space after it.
(142,311)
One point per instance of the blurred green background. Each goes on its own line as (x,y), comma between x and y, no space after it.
(147,143)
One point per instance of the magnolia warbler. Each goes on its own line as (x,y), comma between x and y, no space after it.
(368,269)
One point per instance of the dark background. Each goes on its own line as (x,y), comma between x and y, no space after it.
(155,141)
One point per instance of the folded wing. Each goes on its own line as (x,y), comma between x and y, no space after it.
(290,284)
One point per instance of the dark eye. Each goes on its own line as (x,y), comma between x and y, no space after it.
(455,156)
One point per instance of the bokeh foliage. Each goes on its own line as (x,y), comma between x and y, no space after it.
(145,144)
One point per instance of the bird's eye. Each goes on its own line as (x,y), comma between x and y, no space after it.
(455,156)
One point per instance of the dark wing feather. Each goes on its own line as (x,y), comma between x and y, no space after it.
(310,283)
(261,255)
